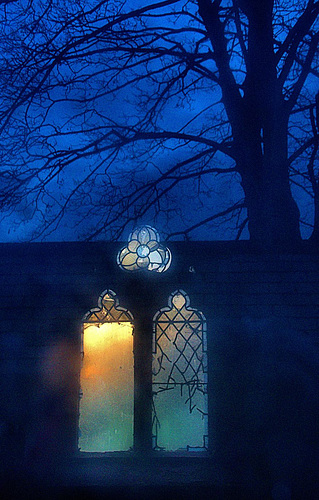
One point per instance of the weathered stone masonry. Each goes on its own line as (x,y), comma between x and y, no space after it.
(262,313)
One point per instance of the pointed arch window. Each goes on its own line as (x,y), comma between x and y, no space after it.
(179,376)
(107,385)
(150,394)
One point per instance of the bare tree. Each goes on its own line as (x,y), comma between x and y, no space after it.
(142,104)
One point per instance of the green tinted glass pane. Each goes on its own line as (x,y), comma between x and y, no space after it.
(179,377)
(179,428)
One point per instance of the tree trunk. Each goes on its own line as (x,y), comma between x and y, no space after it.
(315,233)
(262,138)
(273,214)
(259,123)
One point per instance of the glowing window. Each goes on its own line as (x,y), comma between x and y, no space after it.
(144,251)
(107,385)
(179,377)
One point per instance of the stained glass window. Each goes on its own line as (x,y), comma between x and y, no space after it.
(179,377)
(144,251)
(107,381)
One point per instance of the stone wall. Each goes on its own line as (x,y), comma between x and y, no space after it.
(262,313)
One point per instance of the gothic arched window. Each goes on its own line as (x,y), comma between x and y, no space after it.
(179,376)
(150,394)
(107,381)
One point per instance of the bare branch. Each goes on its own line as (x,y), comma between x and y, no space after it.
(185,232)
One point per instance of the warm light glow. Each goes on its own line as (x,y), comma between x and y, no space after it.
(95,336)
(106,408)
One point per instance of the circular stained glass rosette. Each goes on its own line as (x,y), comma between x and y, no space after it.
(144,251)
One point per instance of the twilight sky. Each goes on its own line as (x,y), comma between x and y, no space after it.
(66,125)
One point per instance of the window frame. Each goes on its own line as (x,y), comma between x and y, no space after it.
(143,336)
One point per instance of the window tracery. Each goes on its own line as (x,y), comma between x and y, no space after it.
(144,251)
(179,376)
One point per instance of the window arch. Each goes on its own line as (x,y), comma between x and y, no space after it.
(179,376)
(107,381)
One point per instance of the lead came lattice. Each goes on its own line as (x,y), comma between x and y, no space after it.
(180,366)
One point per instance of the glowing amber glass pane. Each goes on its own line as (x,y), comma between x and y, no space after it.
(106,407)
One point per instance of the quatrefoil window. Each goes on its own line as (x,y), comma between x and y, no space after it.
(144,251)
